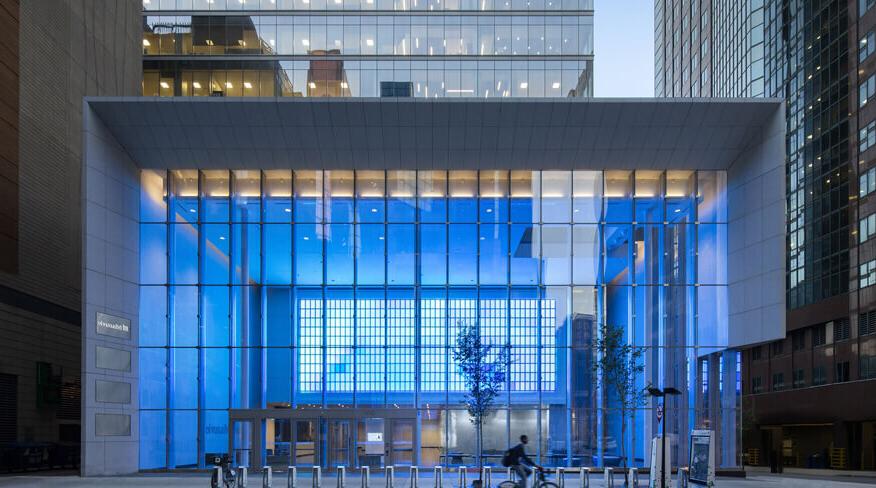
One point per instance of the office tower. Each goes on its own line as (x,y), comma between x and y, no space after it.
(368,48)
(817,57)
(52,54)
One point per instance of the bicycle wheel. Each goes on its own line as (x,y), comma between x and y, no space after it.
(548,484)
(508,484)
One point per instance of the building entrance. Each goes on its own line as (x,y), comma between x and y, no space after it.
(324,437)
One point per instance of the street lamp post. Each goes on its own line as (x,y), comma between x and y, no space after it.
(661,414)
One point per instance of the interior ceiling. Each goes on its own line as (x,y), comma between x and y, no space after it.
(368,133)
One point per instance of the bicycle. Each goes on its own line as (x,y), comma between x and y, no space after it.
(229,476)
(538,482)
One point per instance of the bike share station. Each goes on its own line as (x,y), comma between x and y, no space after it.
(342,442)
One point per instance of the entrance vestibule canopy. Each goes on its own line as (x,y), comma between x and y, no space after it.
(326,437)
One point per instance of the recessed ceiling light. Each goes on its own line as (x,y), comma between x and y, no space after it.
(305,42)
(164,84)
(344,84)
(287,210)
(228,84)
(524,85)
(208,42)
(196,85)
(247,84)
(146,43)
(369,42)
(311,85)
(556,85)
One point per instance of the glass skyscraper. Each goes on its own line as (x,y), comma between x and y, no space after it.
(368,48)
(310,316)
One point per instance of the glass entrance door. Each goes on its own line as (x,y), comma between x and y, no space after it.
(371,442)
(401,442)
(305,442)
(278,442)
(246,442)
(340,442)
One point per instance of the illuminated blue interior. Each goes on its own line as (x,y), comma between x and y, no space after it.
(292,290)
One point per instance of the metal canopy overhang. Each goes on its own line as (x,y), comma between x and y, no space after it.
(373,133)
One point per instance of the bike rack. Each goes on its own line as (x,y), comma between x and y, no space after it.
(439,477)
(486,477)
(633,477)
(608,477)
(290,477)
(390,474)
(415,475)
(342,477)
(366,474)
(317,477)
(244,476)
(219,479)
(509,474)
(561,478)
(267,477)
(462,480)
(584,475)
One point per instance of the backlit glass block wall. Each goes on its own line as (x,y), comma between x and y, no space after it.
(296,289)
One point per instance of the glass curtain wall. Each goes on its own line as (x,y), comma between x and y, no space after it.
(290,289)
(368,48)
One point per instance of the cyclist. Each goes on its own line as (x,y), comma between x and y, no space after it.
(516,459)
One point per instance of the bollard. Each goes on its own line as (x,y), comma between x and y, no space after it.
(462,477)
(585,477)
(290,477)
(633,477)
(439,477)
(415,475)
(342,477)
(317,477)
(608,477)
(390,474)
(366,473)
(267,477)
(560,478)
(244,476)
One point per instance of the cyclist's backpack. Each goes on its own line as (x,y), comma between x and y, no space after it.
(506,458)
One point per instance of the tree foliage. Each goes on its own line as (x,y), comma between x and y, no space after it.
(483,368)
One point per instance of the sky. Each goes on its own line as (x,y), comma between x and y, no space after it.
(623,48)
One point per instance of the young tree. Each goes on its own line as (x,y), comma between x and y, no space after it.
(482,367)
(619,365)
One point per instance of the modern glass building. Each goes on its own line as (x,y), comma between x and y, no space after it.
(369,48)
(297,302)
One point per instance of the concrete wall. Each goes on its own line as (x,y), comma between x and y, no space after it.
(756,239)
(110,202)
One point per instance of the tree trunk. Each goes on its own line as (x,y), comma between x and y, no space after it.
(480,442)
(623,443)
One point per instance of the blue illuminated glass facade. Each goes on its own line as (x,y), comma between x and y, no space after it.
(294,290)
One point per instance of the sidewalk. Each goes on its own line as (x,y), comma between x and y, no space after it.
(202,480)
